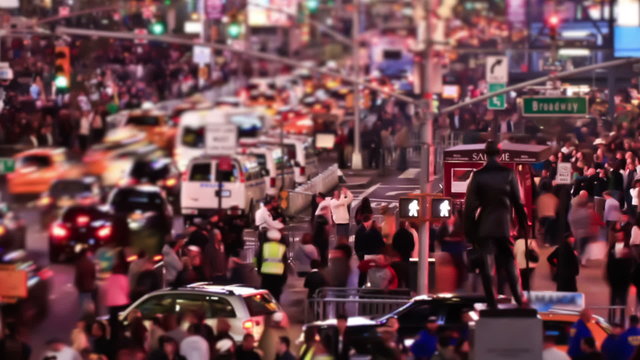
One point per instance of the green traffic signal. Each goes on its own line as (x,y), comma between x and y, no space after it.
(234,30)
(157,28)
(61,82)
(312,5)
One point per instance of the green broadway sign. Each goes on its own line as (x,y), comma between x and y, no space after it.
(554,106)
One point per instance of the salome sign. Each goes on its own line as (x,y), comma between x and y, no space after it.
(554,106)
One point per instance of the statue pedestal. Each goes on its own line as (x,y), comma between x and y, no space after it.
(508,334)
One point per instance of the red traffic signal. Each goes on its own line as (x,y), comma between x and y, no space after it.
(554,20)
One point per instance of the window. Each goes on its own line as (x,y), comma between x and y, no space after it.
(69,188)
(227,173)
(392,55)
(248,124)
(193,137)
(39,161)
(143,121)
(130,200)
(262,162)
(156,305)
(200,172)
(260,304)
(206,305)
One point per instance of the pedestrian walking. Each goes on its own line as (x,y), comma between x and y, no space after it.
(612,212)
(303,255)
(527,258)
(547,207)
(565,266)
(364,209)
(401,140)
(630,338)
(339,269)
(284,349)
(172,263)
(85,281)
(247,349)
(368,241)
(271,260)
(584,223)
(116,297)
(619,269)
(214,262)
(340,213)
(264,219)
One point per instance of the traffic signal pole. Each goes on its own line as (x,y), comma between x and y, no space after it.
(356,157)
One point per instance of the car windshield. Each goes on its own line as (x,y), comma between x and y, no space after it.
(39,161)
(143,120)
(193,137)
(69,188)
(151,171)
(131,200)
(260,304)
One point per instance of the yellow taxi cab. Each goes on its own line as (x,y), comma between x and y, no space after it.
(156,125)
(111,159)
(36,170)
(559,323)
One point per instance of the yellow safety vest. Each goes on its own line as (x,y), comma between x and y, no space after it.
(272,252)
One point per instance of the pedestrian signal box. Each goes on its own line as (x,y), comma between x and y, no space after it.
(410,208)
(440,208)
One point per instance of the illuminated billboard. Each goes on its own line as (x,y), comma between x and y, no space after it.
(626,31)
(261,14)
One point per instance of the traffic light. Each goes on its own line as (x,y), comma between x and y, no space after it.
(312,5)
(157,28)
(234,29)
(553,23)
(62,68)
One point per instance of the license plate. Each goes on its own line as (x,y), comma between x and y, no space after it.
(225,193)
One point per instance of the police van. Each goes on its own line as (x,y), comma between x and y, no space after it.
(277,169)
(222,184)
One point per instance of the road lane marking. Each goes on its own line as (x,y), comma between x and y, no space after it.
(409,173)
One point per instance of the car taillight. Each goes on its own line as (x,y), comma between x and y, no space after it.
(303,171)
(242,178)
(104,232)
(3,230)
(132,258)
(272,182)
(247,326)
(158,258)
(58,231)
(82,220)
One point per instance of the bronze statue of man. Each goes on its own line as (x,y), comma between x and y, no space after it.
(492,196)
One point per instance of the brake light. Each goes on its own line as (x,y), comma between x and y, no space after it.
(104,232)
(58,231)
(82,220)
(45,201)
(3,230)
(171,182)
(303,171)
(272,181)
(132,258)
(157,258)
(247,326)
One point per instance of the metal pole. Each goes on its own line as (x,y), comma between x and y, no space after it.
(356,158)
(427,128)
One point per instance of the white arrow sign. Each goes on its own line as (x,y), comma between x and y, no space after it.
(497,69)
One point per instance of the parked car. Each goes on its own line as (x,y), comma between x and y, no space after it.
(246,309)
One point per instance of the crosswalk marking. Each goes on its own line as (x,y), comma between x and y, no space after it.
(409,173)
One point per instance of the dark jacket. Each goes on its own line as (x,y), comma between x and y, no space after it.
(565,267)
(403,243)
(494,191)
(314,281)
(85,278)
(368,242)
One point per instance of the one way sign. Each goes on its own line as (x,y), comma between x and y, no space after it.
(497,69)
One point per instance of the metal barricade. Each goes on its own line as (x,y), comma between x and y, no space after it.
(329,302)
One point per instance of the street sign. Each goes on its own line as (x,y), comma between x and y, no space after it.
(140,31)
(563,175)
(440,208)
(7,165)
(498,102)
(497,69)
(410,208)
(201,55)
(221,139)
(554,106)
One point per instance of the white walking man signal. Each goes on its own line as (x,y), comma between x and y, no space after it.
(444,209)
(413,208)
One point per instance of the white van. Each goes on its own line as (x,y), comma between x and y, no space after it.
(298,148)
(194,126)
(275,167)
(238,179)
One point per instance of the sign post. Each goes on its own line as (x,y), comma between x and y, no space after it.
(498,102)
(497,70)
(554,106)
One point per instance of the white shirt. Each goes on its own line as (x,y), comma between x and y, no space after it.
(635,236)
(66,353)
(264,220)
(339,208)
(519,253)
(634,196)
(554,354)
(194,347)
(324,209)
